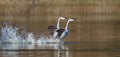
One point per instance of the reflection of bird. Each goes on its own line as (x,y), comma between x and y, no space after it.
(62,33)
(52,28)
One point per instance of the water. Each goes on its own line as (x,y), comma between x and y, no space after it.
(12,35)
(19,43)
(55,50)
(14,40)
(94,33)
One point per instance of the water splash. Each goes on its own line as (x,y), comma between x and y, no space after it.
(13,35)
(9,35)
(13,39)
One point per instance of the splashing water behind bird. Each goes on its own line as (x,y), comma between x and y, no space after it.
(12,35)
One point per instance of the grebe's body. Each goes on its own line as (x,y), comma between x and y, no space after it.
(53,29)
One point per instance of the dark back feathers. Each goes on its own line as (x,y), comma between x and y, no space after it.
(60,31)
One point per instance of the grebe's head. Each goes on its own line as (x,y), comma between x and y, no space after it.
(62,18)
(52,27)
(71,19)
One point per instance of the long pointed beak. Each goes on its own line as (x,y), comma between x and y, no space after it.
(72,18)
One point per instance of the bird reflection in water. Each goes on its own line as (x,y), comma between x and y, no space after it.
(13,50)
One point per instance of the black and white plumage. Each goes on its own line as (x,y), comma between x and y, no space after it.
(53,29)
(55,34)
(62,33)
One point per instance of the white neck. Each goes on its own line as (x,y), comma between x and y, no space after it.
(58,24)
(66,27)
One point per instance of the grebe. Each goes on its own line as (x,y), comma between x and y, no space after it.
(62,33)
(53,28)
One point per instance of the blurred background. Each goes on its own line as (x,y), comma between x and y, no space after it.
(96,20)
